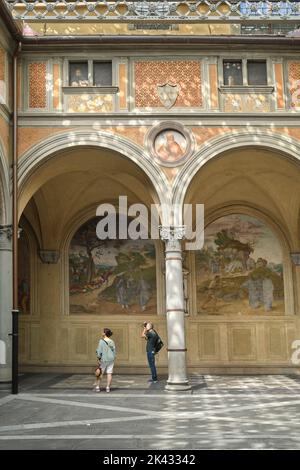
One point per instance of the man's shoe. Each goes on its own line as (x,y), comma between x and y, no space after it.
(152,381)
(107,389)
(97,389)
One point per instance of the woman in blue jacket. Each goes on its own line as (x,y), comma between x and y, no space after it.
(106,353)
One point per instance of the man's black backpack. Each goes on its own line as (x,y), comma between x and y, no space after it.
(158,344)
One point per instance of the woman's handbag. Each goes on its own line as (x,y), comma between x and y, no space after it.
(98,370)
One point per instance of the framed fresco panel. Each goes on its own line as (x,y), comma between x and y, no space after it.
(111,276)
(239,271)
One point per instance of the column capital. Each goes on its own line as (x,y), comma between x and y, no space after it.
(172,233)
(5,237)
(49,256)
(295,257)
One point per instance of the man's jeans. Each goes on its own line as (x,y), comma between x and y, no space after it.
(151,361)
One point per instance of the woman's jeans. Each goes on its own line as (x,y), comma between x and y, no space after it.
(151,361)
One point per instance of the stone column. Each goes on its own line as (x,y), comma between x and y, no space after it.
(177,379)
(295,257)
(5,302)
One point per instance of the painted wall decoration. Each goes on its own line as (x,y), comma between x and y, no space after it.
(86,103)
(37,79)
(24,274)
(111,276)
(150,74)
(239,270)
(170,145)
(294,84)
(247,102)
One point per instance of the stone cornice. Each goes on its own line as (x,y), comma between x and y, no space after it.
(174,41)
(98,90)
(214,118)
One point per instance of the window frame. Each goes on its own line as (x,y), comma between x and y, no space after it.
(257,61)
(112,88)
(242,71)
(93,71)
(69,77)
(244,61)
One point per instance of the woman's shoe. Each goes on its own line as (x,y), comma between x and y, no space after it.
(107,389)
(97,388)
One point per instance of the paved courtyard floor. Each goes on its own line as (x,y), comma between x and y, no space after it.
(220,412)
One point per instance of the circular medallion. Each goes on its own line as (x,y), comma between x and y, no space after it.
(169,143)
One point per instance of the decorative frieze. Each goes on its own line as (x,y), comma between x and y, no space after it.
(87,102)
(246,102)
(120,11)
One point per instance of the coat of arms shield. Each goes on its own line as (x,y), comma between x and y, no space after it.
(168,94)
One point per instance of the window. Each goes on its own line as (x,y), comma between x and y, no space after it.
(102,74)
(257,72)
(90,73)
(245,72)
(233,74)
(78,74)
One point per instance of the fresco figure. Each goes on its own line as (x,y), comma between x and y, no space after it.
(131,289)
(250,264)
(215,266)
(170,150)
(78,79)
(254,289)
(144,293)
(121,288)
(24,295)
(268,289)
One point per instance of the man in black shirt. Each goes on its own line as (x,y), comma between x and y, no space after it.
(151,336)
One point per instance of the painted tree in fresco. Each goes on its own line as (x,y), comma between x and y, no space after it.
(87,239)
(226,243)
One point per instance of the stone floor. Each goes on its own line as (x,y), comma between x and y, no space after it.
(220,412)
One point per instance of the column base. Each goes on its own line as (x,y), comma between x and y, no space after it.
(177,386)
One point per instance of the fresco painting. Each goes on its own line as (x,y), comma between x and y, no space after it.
(23,274)
(239,270)
(111,276)
(170,146)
